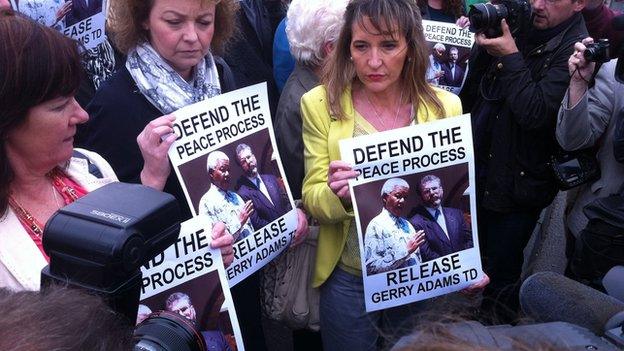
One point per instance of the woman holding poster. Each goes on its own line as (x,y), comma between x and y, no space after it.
(170,65)
(375,81)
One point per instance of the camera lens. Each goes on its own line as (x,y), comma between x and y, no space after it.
(486,16)
(167,331)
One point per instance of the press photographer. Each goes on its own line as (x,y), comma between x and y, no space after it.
(513,90)
(588,119)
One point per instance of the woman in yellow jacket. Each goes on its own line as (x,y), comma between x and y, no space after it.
(374,81)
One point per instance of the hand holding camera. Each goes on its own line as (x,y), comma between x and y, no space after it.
(582,64)
(498,46)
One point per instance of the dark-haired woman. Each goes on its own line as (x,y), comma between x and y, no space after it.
(38,119)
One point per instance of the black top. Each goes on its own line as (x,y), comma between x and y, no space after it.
(118,113)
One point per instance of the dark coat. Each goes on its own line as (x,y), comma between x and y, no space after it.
(250,53)
(288,126)
(80,11)
(449,79)
(436,243)
(265,212)
(513,102)
(118,113)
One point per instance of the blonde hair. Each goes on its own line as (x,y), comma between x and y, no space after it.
(384,15)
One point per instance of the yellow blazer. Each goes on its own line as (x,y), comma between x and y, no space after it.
(321,133)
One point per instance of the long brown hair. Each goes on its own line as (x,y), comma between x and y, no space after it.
(37,64)
(384,15)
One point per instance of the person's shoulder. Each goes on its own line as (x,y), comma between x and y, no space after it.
(315,95)
(117,84)
(451,102)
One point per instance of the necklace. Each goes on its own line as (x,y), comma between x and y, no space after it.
(396,115)
(27,218)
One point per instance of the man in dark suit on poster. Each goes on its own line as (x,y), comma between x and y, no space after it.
(82,9)
(453,73)
(446,230)
(264,190)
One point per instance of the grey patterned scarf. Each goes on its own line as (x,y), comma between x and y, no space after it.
(163,86)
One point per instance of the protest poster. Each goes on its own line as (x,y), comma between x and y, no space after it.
(188,278)
(82,20)
(226,160)
(404,176)
(448,59)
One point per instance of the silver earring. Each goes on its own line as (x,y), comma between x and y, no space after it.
(350,58)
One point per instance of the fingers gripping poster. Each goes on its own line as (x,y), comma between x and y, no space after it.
(227,163)
(448,59)
(415,211)
(188,278)
(82,20)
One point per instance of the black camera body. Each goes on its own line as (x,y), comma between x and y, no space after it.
(486,18)
(598,51)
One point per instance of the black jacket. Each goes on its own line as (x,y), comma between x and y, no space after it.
(250,53)
(514,101)
(118,113)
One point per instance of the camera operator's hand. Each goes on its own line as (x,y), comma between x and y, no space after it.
(580,71)
(500,46)
(223,240)
(154,142)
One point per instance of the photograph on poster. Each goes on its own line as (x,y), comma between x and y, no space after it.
(242,186)
(420,217)
(202,301)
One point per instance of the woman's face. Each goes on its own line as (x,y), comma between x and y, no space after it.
(181,32)
(46,138)
(378,58)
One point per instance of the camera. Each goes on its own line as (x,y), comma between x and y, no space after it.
(166,331)
(598,52)
(486,18)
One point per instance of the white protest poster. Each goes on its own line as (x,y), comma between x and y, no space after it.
(227,163)
(415,211)
(82,20)
(448,59)
(188,278)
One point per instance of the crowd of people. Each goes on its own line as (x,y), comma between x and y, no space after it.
(351,68)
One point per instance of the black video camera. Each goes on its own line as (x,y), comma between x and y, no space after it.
(486,18)
(598,52)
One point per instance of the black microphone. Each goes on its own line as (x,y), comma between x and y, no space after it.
(550,297)
(613,282)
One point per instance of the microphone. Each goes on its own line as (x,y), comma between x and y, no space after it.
(550,297)
(613,282)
